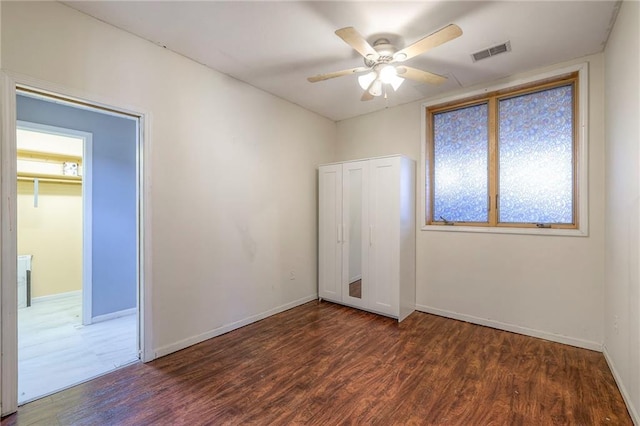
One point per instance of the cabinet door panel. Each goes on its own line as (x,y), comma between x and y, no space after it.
(330,233)
(355,200)
(384,235)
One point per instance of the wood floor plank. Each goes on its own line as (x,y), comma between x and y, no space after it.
(325,364)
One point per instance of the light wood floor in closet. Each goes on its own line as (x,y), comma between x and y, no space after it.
(55,351)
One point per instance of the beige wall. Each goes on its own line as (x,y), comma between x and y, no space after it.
(52,233)
(233,169)
(622,266)
(547,286)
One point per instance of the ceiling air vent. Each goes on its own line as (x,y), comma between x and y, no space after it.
(492,51)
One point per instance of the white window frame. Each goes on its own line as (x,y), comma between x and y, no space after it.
(582,160)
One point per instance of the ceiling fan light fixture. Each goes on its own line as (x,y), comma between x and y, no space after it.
(387,73)
(376,88)
(365,80)
(396,82)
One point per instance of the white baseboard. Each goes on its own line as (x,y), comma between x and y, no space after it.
(55,296)
(185,343)
(633,412)
(572,341)
(114,315)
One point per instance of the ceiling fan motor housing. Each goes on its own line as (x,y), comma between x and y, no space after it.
(384,49)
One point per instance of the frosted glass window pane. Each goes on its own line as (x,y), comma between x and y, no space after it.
(536,157)
(460,183)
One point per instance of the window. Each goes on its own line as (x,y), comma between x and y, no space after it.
(508,158)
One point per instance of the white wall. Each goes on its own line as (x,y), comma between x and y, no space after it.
(233,169)
(0,37)
(546,286)
(622,265)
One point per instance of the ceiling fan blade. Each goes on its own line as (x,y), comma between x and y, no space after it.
(366,96)
(435,39)
(354,39)
(419,75)
(322,77)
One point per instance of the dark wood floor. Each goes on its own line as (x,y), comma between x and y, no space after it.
(325,364)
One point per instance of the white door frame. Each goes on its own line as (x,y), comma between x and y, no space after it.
(9,82)
(87,206)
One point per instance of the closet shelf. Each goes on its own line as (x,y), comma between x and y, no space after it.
(27,154)
(30,177)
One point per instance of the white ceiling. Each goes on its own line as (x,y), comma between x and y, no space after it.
(276,45)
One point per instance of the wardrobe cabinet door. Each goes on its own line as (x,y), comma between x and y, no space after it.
(384,220)
(330,233)
(355,200)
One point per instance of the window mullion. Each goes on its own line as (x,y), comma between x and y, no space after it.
(493,162)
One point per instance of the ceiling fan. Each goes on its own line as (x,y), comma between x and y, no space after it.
(383,60)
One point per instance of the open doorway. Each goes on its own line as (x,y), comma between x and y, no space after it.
(77,232)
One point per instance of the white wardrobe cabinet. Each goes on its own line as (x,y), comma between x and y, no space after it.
(366,236)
